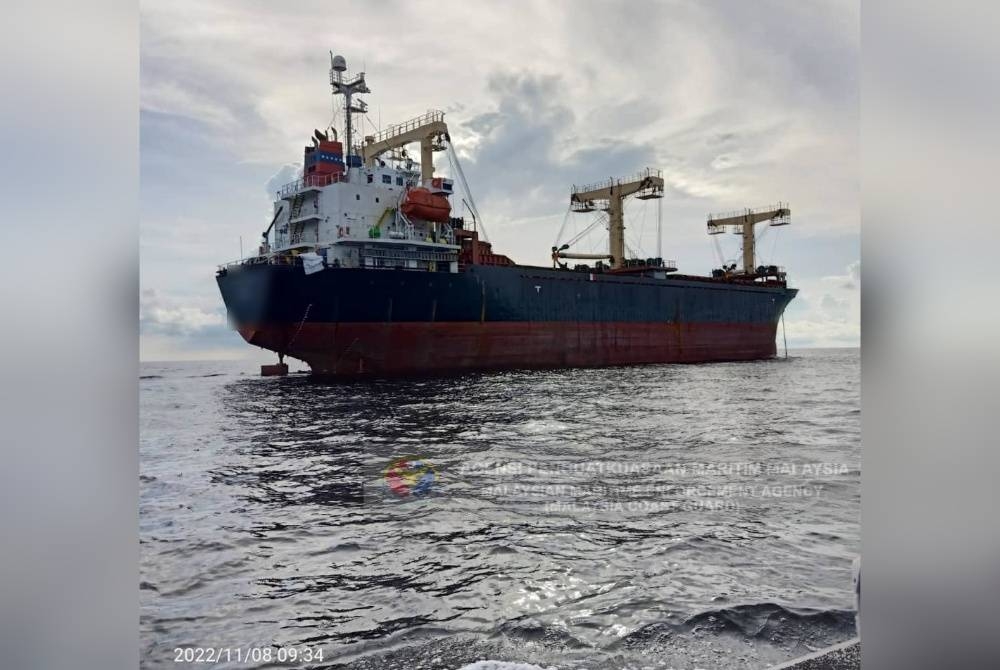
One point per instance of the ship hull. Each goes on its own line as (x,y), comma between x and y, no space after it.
(351,323)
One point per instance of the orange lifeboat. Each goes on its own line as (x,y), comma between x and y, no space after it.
(422,204)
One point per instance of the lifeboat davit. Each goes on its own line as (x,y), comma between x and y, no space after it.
(422,204)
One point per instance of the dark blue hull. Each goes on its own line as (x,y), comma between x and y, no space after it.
(363,321)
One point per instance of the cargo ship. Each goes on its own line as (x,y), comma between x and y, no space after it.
(365,270)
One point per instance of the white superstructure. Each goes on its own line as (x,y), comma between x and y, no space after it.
(374,206)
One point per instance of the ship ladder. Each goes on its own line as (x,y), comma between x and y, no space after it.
(381,219)
(376,230)
(296,207)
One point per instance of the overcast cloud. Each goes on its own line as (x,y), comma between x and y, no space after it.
(739,104)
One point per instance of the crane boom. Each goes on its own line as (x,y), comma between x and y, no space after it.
(567,254)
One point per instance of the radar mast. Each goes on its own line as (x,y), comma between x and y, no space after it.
(348,88)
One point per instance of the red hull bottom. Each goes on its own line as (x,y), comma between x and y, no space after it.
(391,349)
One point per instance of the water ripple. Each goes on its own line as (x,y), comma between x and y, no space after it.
(577,514)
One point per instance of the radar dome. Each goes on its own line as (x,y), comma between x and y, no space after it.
(339,64)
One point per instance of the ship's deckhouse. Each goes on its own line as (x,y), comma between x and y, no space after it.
(373,206)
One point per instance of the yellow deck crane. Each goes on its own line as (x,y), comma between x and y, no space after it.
(742,222)
(610,196)
(429,129)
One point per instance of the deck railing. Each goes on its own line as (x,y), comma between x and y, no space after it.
(428,117)
(270,259)
(639,176)
(747,211)
(311,181)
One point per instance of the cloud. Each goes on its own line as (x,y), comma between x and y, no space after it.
(822,333)
(287,173)
(833,306)
(726,161)
(158,314)
(527,150)
(172,98)
(704,91)
(827,311)
(850,280)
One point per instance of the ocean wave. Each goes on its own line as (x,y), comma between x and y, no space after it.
(756,621)
(503,665)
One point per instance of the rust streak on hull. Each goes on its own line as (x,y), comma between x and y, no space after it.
(392,349)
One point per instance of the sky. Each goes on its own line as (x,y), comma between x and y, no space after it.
(739,104)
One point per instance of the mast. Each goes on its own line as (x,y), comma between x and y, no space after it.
(348,88)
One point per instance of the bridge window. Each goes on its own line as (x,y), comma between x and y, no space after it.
(386,179)
(399,181)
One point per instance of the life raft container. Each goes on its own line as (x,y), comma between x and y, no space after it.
(422,204)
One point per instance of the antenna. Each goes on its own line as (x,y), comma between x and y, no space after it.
(348,88)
